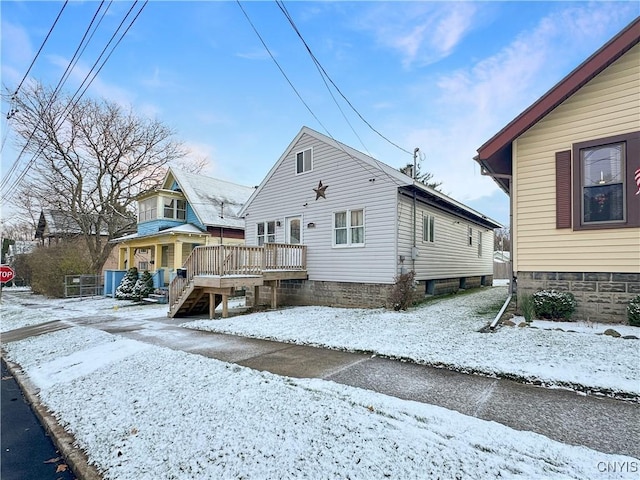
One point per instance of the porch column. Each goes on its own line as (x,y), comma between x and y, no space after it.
(157,256)
(129,258)
(122,256)
(177,254)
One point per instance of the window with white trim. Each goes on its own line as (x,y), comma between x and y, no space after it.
(266,232)
(428,228)
(479,244)
(304,161)
(147,209)
(470,236)
(175,209)
(348,228)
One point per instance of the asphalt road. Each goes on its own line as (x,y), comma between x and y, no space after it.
(28,453)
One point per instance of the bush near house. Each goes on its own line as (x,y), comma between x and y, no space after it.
(633,312)
(554,305)
(401,296)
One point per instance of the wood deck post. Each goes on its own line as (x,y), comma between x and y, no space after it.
(256,295)
(274,296)
(225,306)
(212,305)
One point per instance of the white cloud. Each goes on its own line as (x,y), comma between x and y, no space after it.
(476,102)
(17,53)
(422,33)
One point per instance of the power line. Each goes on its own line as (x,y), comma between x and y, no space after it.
(283,9)
(70,106)
(278,65)
(280,4)
(339,144)
(41,47)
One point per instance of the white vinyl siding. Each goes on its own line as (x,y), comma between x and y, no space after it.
(349,188)
(606,106)
(448,256)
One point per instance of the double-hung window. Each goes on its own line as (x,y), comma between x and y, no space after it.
(595,186)
(470,236)
(304,161)
(348,228)
(175,209)
(428,228)
(602,183)
(479,244)
(266,232)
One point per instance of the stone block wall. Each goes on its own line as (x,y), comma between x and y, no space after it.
(357,295)
(601,297)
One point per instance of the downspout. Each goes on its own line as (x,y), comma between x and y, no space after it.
(484,171)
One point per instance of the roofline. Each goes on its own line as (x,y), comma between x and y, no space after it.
(586,71)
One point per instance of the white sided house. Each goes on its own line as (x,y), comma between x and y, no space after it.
(362,223)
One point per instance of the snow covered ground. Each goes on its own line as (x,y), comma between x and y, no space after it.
(445,332)
(147,412)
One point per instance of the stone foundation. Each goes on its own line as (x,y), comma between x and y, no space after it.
(357,295)
(601,297)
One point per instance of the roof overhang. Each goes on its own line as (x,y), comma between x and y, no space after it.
(496,154)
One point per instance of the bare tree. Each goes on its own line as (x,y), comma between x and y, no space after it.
(89,159)
(502,240)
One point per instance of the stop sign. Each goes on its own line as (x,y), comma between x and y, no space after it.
(6,273)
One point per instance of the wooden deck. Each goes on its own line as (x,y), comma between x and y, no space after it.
(211,274)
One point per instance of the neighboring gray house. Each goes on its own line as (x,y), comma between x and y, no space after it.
(363,223)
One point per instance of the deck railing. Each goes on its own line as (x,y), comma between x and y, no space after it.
(237,260)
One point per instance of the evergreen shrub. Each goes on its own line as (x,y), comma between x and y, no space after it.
(127,285)
(554,305)
(633,312)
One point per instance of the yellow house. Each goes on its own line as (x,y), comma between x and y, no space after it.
(187,211)
(568,164)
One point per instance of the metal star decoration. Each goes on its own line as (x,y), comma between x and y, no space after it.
(320,190)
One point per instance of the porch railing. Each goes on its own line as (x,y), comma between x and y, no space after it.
(224,260)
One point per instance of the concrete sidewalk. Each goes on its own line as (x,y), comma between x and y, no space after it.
(603,424)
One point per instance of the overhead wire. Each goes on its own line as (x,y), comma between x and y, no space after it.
(285,12)
(79,94)
(61,82)
(282,7)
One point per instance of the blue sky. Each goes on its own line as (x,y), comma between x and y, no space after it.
(440,76)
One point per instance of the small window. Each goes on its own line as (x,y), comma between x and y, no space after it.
(142,266)
(428,226)
(304,161)
(181,210)
(348,228)
(266,232)
(470,235)
(479,244)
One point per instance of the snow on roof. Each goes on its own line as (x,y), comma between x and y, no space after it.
(215,202)
(186,228)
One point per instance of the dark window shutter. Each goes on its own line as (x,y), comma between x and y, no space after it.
(563,189)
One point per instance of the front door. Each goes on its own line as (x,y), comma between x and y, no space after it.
(294,232)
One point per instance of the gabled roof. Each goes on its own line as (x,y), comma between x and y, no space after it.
(215,202)
(394,175)
(58,223)
(495,155)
